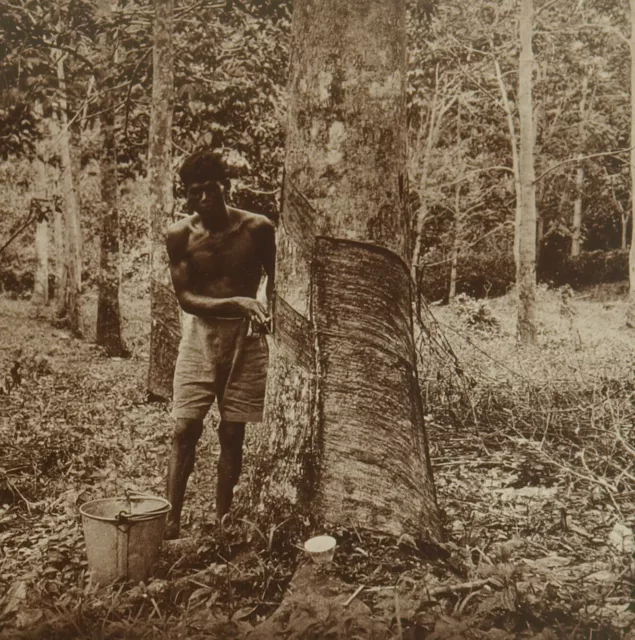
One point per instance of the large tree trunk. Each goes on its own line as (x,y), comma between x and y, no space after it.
(165,330)
(344,440)
(71,303)
(630,314)
(108,333)
(526,269)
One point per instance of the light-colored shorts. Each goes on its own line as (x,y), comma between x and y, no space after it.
(218,360)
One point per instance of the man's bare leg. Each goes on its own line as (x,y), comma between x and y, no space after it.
(230,461)
(186,434)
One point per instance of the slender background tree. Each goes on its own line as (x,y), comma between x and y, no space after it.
(526,268)
(630,318)
(165,329)
(108,332)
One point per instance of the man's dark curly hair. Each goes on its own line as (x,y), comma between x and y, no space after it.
(202,166)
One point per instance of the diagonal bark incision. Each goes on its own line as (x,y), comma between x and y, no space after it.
(300,219)
(293,332)
(366,377)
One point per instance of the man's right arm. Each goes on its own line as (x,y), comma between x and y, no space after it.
(195,303)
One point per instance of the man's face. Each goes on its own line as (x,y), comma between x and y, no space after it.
(206,198)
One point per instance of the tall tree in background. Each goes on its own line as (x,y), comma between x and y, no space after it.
(630,314)
(59,241)
(41,279)
(576,225)
(526,268)
(165,329)
(513,142)
(108,332)
(458,221)
(443,97)
(69,301)
(345,439)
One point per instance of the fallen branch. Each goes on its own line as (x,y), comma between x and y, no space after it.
(30,219)
(453,589)
(354,595)
(446,590)
(589,157)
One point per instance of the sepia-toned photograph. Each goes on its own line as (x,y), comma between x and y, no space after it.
(317,319)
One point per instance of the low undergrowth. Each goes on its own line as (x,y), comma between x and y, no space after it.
(532,450)
(547,434)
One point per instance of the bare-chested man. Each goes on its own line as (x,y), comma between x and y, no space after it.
(217,256)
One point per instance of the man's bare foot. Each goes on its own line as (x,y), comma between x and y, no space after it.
(172,531)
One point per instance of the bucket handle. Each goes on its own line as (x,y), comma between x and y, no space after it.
(125,518)
(143,496)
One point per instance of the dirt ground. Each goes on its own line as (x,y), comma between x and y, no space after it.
(532,452)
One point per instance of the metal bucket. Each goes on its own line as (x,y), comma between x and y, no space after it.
(123,536)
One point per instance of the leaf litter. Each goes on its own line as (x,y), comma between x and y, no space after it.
(539,526)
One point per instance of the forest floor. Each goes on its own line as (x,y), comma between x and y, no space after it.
(533,456)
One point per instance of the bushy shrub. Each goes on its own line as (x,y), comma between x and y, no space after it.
(479,275)
(476,313)
(485,274)
(589,268)
(482,275)
(16,277)
(433,281)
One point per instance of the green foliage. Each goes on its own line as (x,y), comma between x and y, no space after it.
(17,278)
(483,275)
(17,259)
(589,268)
(455,95)
(230,79)
(478,274)
(33,36)
(477,314)
(536,443)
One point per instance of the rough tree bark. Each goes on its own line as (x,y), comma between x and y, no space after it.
(630,313)
(108,332)
(165,329)
(70,305)
(526,268)
(344,439)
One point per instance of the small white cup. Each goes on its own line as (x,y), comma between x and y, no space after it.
(320,549)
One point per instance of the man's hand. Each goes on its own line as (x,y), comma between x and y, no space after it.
(252,309)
